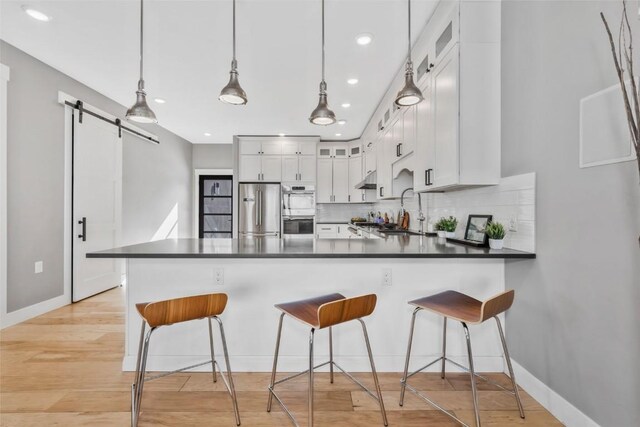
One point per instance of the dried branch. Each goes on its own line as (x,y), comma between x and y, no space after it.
(629,59)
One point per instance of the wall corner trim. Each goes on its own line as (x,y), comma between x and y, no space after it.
(5,72)
(559,407)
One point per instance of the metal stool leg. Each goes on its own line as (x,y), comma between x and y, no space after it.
(213,355)
(511,374)
(444,347)
(403,383)
(331,354)
(374,373)
(472,373)
(311,377)
(275,363)
(143,370)
(232,389)
(136,378)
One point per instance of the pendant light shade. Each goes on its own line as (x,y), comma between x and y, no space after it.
(233,93)
(322,115)
(140,111)
(410,94)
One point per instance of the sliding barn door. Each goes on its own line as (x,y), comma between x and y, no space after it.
(97,204)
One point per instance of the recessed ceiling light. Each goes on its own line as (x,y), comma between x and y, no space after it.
(338,134)
(352,81)
(36,14)
(160,100)
(364,39)
(342,122)
(281,134)
(207,134)
(346,105)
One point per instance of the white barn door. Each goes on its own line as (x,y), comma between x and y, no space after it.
(97,204)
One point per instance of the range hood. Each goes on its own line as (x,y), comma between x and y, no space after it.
(370,182)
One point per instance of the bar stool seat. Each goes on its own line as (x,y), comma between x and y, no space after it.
(174,311)
(454,305)
(467,310)
(319,313)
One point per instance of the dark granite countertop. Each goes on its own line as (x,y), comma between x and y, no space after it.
(390,247)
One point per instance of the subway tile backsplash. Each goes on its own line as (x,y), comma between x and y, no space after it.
(512,202)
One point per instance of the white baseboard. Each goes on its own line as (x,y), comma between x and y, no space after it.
(32,311)
(296,364)
(559,407)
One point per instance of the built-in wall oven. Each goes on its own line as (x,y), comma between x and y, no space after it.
(298,211)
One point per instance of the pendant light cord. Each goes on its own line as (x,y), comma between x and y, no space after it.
(323,84)
(141,82)
(409,36)
(234,34)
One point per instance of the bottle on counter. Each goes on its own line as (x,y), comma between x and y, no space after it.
(386,218)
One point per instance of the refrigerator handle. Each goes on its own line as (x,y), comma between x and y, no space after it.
(260,208)
(257,207)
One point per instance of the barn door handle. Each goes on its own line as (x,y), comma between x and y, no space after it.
(83,222)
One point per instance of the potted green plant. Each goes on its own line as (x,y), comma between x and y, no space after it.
(446,227)
(495,232)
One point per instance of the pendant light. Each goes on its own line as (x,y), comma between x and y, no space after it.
(410,94)
(232,93)
(140,112)
(322,115)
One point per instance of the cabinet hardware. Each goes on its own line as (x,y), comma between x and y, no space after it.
(381,193)
(349,198)
(400,149)
(427,177)
(362,196)
(83,222)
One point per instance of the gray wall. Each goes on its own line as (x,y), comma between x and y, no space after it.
(155,177)
(212,156)
(575,321)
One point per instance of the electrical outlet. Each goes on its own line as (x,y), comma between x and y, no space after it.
(513,224)
(39,267)
(386,277)
(218,276)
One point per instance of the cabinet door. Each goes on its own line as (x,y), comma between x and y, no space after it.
(370,159)
(386,154)
(342,231)
(272,148)
(290,168)
(340,152)
(290,148)
(408,131)
(324,182)
(307,148)
(250,147)
(445,120)
(250,168)
(307,168)
(325,152)
(271,168)
(341,180)
(326,231)
(425,145)
(398,134)
(355,176)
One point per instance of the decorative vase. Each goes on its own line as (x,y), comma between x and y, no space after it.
(450,234)
(442,233)
(496,243)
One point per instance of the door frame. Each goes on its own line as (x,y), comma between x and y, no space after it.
(69,228)
(4,81)
(196,195)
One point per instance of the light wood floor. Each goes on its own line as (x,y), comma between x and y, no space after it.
(64,369)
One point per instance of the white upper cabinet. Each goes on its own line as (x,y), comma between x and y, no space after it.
(332,183)
(324,183)
(277,159)
(341,180)
(369,158)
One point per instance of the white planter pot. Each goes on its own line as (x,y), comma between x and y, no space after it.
(450,234)
(496,244)
(442,233)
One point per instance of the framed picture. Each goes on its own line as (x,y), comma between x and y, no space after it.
(475,228)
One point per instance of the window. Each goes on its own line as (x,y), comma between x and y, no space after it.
(215,206)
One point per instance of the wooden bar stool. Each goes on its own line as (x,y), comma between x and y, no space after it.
(319,313)
(466,310)
(169,312)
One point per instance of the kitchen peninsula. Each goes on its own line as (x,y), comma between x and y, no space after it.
(258,273)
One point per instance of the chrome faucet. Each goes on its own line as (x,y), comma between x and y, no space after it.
(421,217)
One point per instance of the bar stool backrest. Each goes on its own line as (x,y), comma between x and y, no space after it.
(496,305)
(178,310)
(344,310)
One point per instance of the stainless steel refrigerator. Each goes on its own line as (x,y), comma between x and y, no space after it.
(259,210)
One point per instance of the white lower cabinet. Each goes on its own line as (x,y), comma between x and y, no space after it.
(333,231)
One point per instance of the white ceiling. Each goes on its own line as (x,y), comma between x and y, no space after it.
(188,55)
